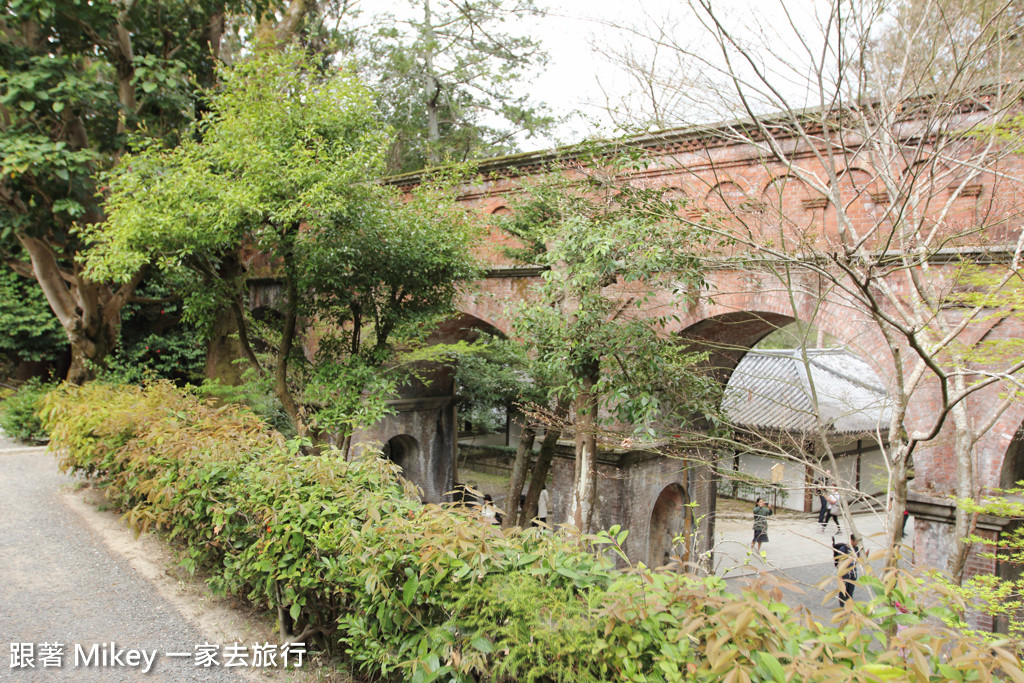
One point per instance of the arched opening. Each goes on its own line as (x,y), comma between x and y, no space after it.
(671,518)
(404,451)
(803,415)
(425,414)
(785,219)
(796,398)
(1013,462)
(1012,473)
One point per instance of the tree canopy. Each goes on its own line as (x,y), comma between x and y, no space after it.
(80,82)
(613,271)
(445,77)
(279,180)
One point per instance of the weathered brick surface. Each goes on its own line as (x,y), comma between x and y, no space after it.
(763,203)
(628,488)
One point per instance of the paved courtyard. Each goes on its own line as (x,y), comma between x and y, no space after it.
(796,551)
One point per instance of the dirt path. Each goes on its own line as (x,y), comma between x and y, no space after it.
(73,575)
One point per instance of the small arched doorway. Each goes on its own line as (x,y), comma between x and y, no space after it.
(1011,475)
(404,451)
(670,518)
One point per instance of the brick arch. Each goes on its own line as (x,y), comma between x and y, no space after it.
(742,307)
(859,193)
(670,517)
(783,180)
(929,175)
(729,203)
(497,207)
(691,207)
(487,308)
(863,178)
(790,218)
(421,435)
(1011,466)
(490,299)
(727,196)
(1000,451)
(727,337)
(463,326)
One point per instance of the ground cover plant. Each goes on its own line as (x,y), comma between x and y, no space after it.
(19,412)
(350,559)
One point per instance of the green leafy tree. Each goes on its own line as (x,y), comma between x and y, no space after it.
(79,81)
(443,78)
(999,595)
(597,319)
(501,375)
(283,166)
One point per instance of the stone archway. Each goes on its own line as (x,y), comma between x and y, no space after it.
(1012,470)
(670,517)
(404,451)
(425,418)
(726,331)
(1011,473)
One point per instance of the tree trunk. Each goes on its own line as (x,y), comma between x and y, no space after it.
(515,484)
(431,89)
(229,339)
(88,312)
(962,449)
(284,350)
(540,472)
(897,502)
(87,355)
(278,34)
(223,349)
(584,488)
(124,61)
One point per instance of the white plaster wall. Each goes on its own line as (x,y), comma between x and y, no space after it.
(792,482)
(873,473)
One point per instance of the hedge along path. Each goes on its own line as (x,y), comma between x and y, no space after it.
(346,555)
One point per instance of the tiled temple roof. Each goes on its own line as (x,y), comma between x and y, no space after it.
(772,390)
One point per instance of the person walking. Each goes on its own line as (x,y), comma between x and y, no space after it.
(762,511)
(832,511)
(821,488)
(845,558)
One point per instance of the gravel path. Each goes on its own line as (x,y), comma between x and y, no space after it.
(60,584)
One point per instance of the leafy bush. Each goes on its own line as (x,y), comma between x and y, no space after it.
(156,341)
(998,596)
(31,332)
(422,593)
(19,412)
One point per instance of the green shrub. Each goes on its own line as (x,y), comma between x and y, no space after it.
(31,332)
(19,412)
(423,593)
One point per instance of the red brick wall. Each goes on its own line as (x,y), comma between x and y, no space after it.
(761,202)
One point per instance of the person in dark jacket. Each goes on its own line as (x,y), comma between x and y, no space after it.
(845,558)
(761,514)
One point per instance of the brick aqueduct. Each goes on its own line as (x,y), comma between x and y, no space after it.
(743,306)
